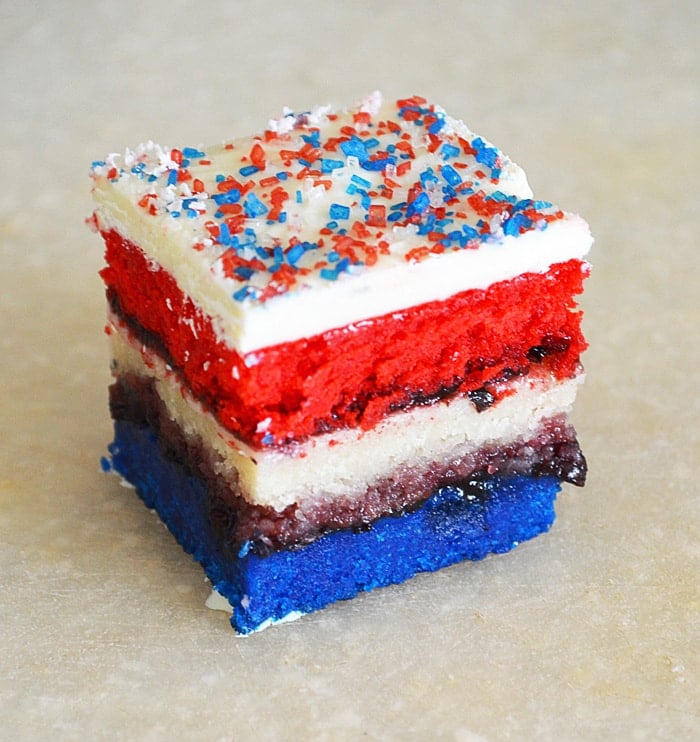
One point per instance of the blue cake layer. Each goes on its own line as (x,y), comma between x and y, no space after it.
(452,525)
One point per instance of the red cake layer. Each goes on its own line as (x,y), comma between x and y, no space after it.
(353,378)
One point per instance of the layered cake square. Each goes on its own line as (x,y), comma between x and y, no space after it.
(344,350)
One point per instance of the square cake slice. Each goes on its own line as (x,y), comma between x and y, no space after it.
(344,350)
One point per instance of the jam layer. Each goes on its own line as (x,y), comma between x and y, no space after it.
(353,376)
(552,451)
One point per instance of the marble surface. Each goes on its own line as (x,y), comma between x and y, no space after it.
(590,632)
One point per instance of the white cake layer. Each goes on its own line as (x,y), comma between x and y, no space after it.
(442,244)
(343,463)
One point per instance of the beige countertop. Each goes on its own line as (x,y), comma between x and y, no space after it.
(590,632)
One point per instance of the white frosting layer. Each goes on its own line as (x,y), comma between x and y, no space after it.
(298,230)
(341,464)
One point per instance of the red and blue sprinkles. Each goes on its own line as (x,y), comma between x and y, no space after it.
(323,194)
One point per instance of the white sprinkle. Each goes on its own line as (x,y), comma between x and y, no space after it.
(372,103)
(190,323)
(263,425)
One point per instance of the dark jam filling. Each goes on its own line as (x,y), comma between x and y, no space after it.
(554,451)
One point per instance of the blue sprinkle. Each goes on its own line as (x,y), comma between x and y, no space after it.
(282,175)
(394,217)
(105,463)
(469,232)
(228,197)
(192,214)
(333,256)
(366,202)
(224,234)
(243,293)
(299,197)
(338,211)
(371,143)
(328,274)
(220,178)
(428,176)
(510,227)
(352,189)
(343,265)
(253,206)
(541,205)
(451,175)
(99,163)
(528,203)
(313,138)
(378,165)
(501,197)
(279,254)
(427,224)
(152,178)
(295,253)
(516,224)
(172,177)
(305,163)
(328,166)
(435,127)
(268,439)
(332,225)
(282,217)
(249,170)
(354,147)
(449,150)
(448,192)
(484,154)
(192,152)
(357,180)
(244,549)
(244,272)
(419,204)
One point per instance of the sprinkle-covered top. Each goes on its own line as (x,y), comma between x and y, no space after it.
(329,193)
(319,199)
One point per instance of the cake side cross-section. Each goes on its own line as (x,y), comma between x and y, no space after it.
(331,330)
